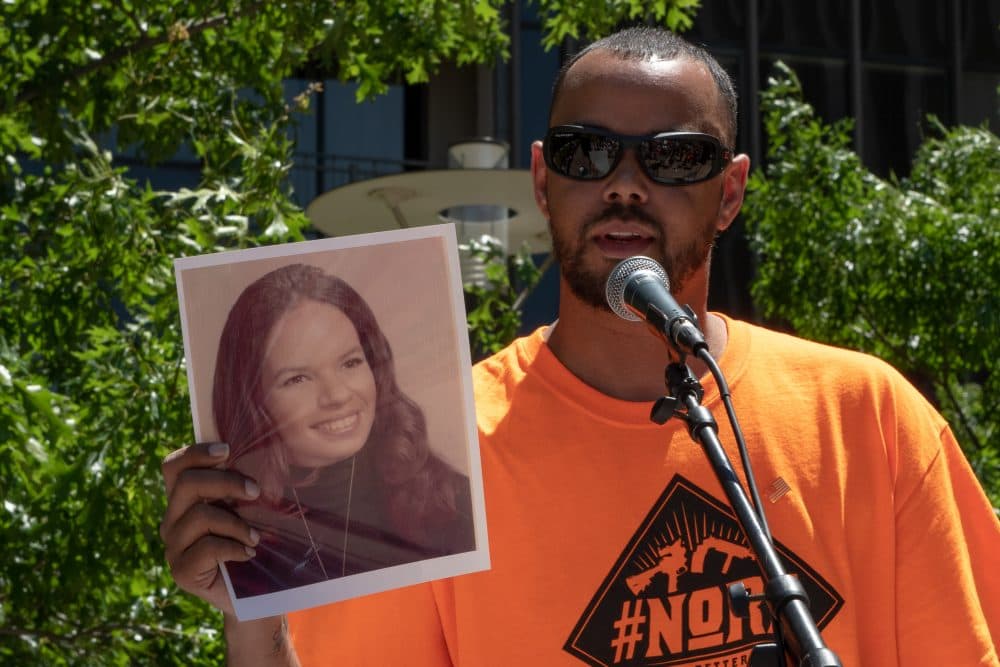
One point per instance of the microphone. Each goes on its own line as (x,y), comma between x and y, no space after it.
(638,289)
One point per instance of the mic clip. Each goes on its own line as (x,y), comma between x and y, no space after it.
(682,385)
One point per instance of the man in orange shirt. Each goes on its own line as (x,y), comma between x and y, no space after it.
(610,538)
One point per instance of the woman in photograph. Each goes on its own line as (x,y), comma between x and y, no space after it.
(305,393)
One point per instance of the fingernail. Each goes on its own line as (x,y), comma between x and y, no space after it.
(250,551)
(254,536)
(251,488)
(218,450)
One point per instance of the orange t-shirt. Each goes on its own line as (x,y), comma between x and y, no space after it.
(612,542)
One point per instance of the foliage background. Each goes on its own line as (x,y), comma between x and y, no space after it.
(92,382)
(907,269)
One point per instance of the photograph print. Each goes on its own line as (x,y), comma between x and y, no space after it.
(338,372)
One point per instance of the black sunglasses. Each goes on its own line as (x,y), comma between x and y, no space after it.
(670,158)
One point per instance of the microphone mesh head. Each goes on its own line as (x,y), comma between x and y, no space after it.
(614,290)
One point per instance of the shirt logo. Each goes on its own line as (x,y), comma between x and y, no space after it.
(666,601)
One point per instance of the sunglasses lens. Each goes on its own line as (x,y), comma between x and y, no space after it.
(679,160)
(581,154)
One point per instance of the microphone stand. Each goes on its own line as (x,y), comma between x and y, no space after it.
(785,596)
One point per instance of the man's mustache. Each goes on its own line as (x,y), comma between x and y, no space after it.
(618,211)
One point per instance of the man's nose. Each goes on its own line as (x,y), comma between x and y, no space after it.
(627,183)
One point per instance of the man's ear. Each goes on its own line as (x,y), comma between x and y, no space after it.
(539,178)
(734,185)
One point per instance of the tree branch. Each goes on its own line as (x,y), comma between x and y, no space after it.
(86,633)
(145,43)
(132,17)
(957,408)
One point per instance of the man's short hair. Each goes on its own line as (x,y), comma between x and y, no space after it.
(646,43)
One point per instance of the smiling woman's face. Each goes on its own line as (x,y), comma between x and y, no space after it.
(318,387)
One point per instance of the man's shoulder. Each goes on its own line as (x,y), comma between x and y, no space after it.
(508,363)
(498,377)
(764,354)
(764,342)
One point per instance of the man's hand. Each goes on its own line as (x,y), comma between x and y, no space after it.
(199,535)
(197,532)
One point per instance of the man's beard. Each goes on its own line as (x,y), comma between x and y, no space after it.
(588,283)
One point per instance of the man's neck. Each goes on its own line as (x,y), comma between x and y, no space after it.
(622,359)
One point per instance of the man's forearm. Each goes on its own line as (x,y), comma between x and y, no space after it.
(260,643)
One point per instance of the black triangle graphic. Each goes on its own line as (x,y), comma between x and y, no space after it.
(665,600)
